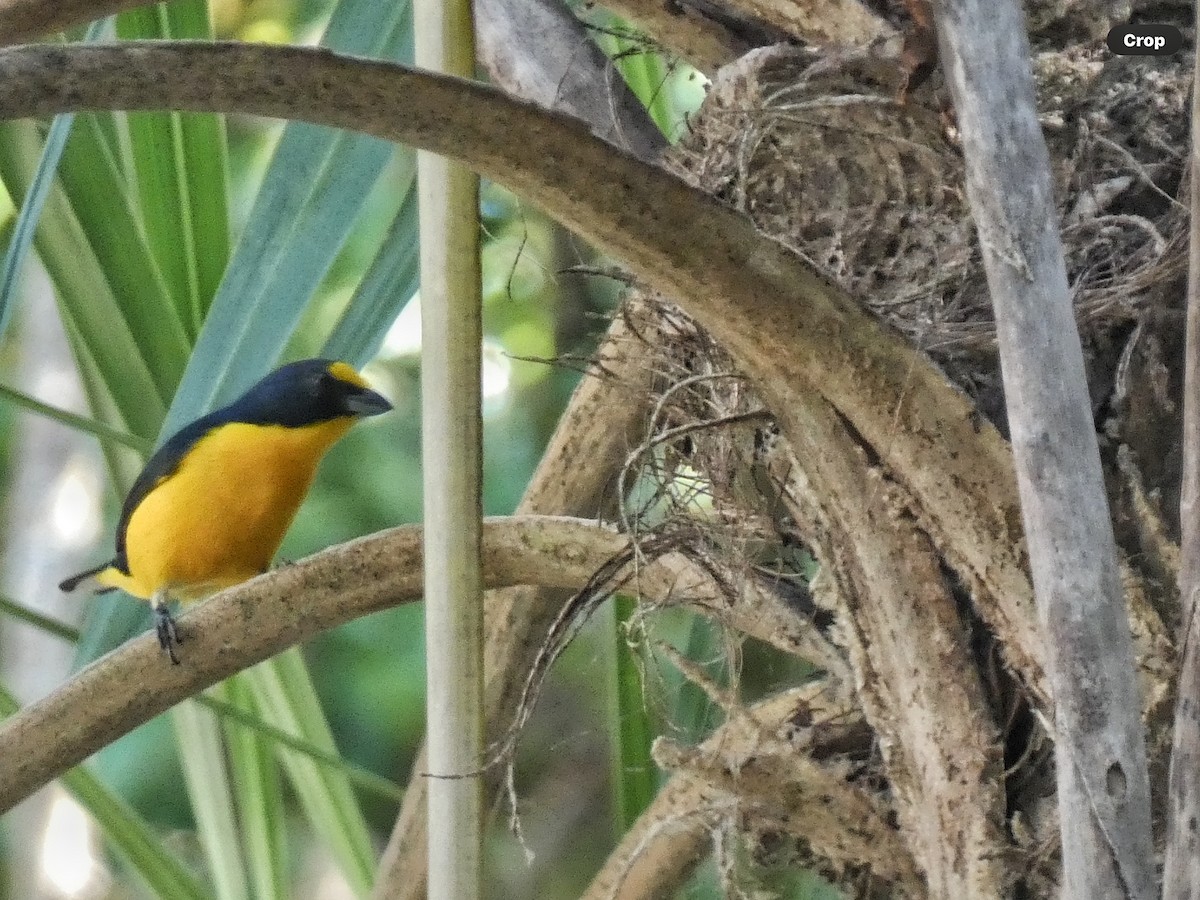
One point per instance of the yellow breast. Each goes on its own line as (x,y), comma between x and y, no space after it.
(220,517)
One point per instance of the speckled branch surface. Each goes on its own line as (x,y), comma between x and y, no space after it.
(24,20)
(252,622)
(789,329)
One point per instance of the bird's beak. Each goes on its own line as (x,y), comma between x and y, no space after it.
(366,402)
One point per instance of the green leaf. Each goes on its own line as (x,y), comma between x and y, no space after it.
(35,199)
(107,212)
(179,167)
(27,218)
(695,714)
(81,423)
(288,700)
(635,777)
(364,778)
(305,209)
(37,620)
(646,73)
(210,789)
(260,801)
(92,312)
(388,285)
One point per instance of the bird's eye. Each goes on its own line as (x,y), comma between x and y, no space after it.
(319,384)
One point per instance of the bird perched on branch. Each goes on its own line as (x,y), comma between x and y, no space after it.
(212,505)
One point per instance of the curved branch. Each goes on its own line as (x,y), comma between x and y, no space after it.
(788,328)
(536,50)
(252,622)
(26,20)
(713,34)
(745,766)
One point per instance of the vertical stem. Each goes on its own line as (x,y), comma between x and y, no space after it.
(1103,782)
(451,435)
(1181,867)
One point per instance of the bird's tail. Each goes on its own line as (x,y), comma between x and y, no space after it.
(70,584)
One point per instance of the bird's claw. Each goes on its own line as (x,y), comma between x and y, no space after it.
(168,632)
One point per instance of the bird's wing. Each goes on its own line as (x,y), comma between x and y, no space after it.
(162,465)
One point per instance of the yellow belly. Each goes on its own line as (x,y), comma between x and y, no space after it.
(219,519)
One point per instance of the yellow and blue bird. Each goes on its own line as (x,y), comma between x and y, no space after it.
(214,502)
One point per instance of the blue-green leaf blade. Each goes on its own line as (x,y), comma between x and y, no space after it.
(305,209)
(288,700)
(179,164)
(29,213)
(388,285)
(261,809)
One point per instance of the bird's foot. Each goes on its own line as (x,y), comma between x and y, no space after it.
(168,632)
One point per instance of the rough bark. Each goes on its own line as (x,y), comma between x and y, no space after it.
(1103,781)
(840,23)
(1181,868)
(705,34)
(916,677)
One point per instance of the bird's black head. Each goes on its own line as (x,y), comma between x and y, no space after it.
(306,392)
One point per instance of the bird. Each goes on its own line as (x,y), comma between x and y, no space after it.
(213,503)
